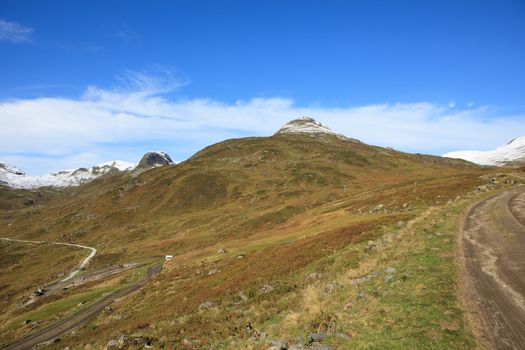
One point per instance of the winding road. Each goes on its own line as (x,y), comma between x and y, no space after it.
(73,321)
(493,253)
(73,273)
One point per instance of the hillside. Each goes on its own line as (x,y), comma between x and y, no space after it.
(258,227)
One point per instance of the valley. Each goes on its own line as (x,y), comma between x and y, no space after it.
(300,240)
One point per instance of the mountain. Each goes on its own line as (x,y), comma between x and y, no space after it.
(12,176)
(304,125)
(267,234)
(510,154)
(153,159)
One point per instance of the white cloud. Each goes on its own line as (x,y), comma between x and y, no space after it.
(122,123)
(14,32)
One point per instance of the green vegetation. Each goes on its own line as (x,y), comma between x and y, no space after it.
(267,236)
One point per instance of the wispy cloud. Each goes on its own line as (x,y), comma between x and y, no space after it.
(141,113)
(14,32)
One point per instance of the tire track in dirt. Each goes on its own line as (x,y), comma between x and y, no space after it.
(493,251)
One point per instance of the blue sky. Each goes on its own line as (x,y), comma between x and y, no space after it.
(89,81)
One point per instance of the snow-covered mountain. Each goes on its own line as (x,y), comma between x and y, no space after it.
(512,153)
(304,125)
(11,176)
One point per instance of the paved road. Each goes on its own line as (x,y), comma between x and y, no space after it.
(71,322)
(73,273)
(493,247)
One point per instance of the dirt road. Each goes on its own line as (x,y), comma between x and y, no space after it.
(73,273)
(71,322)
(493,249)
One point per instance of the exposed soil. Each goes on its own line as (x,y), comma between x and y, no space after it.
(493,248)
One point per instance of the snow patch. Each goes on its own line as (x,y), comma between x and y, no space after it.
(509,154)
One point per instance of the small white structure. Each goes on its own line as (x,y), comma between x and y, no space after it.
(169,257)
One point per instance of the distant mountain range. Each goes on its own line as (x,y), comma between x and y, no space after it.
(511,154)
(12,176)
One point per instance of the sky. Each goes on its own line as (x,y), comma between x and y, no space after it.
(84,82)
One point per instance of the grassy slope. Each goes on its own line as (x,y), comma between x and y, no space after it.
(291,205)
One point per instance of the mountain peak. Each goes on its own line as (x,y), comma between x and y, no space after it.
(306,125)
(154,158)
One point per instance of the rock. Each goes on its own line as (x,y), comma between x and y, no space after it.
(297,347)
(26,322)
(213,272)
(361,295)
(378,207)
(240,256)
(267,288)
(206,305)
(400,224)
(390,270)
(316,337)
(221,251)
(243,296)
(343,336)
(314,276)
(389,278)
(319,346)
(332,287)
(277,344)
(113,345)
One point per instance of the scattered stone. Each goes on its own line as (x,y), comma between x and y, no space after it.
(316,337)
(332,287)
(365,278)
(315,276)
(221,251)
(213,272)
(243,296)
(113,344)
(389,278)
(343,336)
(361,295)
(390,270)
(206,305)
(378,207)
(297,347)
(400,224)
(277,344)
(267,288)
(319,346)
(82,303)
(26,322)
(240,256)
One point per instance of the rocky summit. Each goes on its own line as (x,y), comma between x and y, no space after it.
(153,159)
(304,125)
